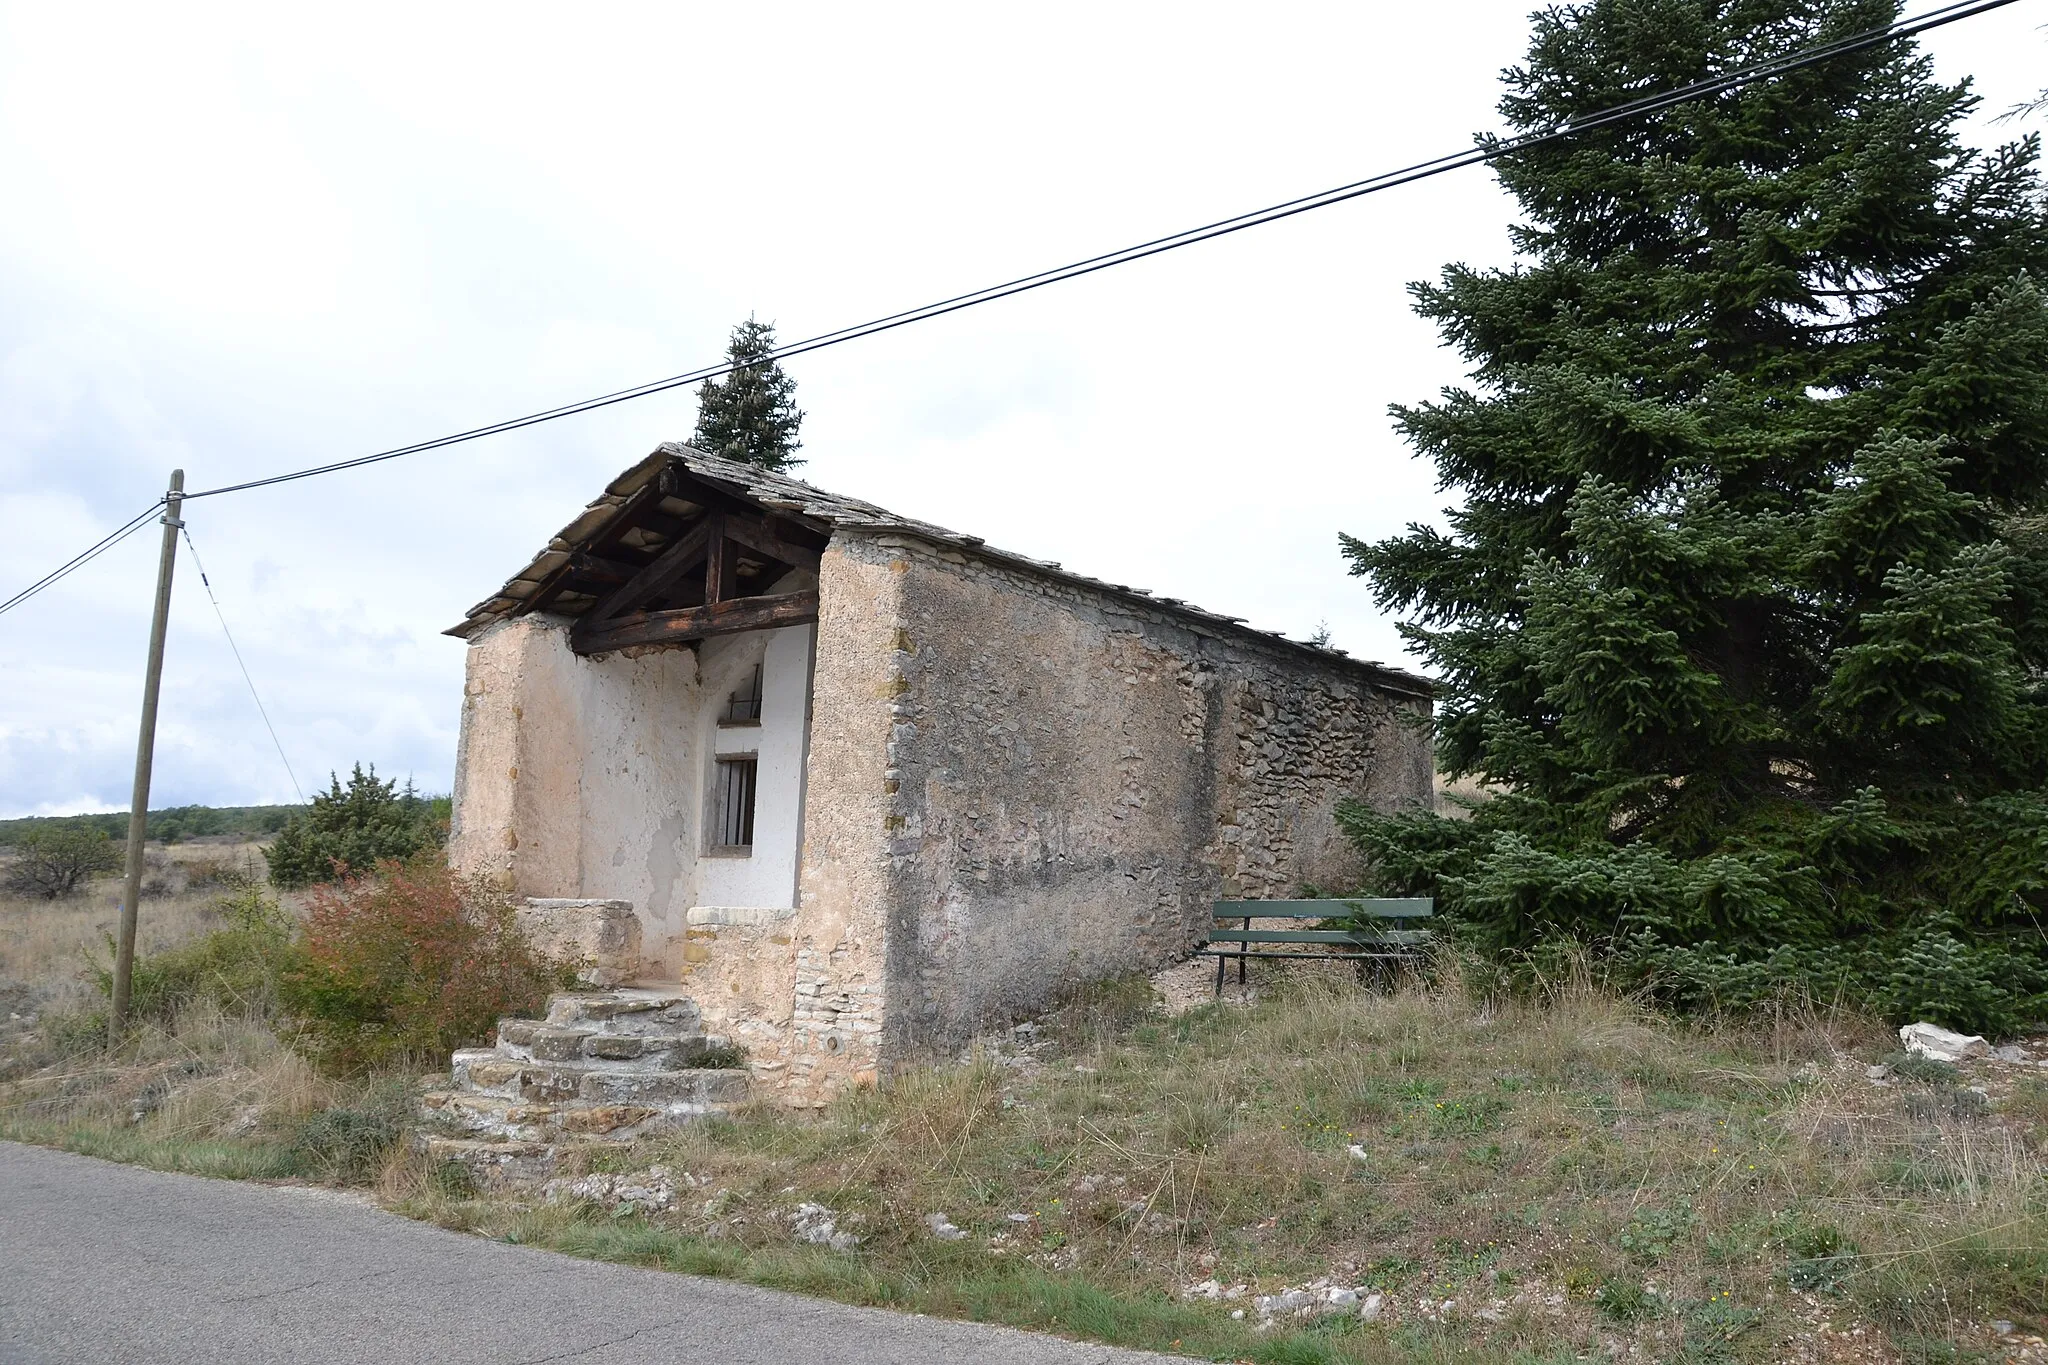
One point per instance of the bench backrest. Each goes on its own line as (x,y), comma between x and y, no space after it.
(1406,910)
(1356,907)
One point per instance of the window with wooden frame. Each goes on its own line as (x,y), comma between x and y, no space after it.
(732,804)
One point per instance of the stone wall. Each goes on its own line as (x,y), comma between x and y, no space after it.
(577,778)
(847,893)
(1018,784)
(1013,784)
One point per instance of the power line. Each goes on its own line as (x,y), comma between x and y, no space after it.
(236,651)
(82,558)
(1488,150)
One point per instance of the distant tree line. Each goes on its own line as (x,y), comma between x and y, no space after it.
(169,825)
(346,830)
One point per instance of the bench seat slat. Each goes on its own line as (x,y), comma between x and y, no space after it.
(1369,907)
(1404,937)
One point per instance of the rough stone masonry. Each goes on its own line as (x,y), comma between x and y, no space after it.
(900,786)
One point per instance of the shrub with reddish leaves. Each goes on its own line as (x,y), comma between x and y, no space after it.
(407,963)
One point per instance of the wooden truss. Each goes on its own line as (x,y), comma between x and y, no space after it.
(683,559)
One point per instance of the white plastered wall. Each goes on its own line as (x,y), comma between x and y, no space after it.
(765,877)
(592,777)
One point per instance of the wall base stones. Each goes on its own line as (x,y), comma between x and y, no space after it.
(739,964)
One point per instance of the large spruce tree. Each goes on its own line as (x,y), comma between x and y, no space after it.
(751,415)
(1745,608)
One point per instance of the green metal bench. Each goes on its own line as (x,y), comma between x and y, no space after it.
(1374,944)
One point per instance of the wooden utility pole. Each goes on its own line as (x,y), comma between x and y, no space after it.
(145,752)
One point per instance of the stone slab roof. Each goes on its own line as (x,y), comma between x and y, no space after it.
(798,501)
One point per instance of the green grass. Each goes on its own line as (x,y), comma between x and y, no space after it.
(1586,1174)
(225,1159)
(1574,1174)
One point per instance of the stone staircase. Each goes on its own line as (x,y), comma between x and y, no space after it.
(603,1067)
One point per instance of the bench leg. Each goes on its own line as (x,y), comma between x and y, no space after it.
(1219,976)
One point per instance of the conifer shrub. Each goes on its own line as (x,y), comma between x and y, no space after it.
(354,829)
(407,962)
(1745,606)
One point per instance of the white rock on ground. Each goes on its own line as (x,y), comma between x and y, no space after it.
(942,1227)
(651,1191)
(1930,1040)
(818,1225)
(1312,1300)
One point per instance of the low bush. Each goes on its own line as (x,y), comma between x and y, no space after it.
(406,964)
(224,872)
(241,967)
(57,860)
(348,1144)
(395,968)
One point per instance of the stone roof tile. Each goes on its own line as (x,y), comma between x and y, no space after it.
(831,511)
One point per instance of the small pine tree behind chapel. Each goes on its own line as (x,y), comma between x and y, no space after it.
(1746,604)
(751,415)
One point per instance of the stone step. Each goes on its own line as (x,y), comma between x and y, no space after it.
(488,1072)
(630,1010)
(506,1120)
(709,1090)
(494,1165)
(584,1120)
(527,1040)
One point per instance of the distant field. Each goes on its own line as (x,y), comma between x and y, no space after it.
(172,824)
(46,945)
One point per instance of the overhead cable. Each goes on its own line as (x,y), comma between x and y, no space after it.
(83,557)
(1490,149)
(236,651)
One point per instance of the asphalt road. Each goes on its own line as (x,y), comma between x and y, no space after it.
(107,1263)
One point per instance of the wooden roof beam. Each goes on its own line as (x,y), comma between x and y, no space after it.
(758,533)
(695,623)
(671,564)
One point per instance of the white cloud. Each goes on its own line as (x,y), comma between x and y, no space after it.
(250,238)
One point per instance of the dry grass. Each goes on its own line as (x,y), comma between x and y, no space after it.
(45,944)
(211,1091)
(1572,1175)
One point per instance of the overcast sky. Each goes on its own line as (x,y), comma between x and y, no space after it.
(247,240)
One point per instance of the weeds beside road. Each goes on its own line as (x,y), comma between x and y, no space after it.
(1518,1181)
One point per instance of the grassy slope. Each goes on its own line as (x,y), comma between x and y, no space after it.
(1573,1175)
(46,946)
